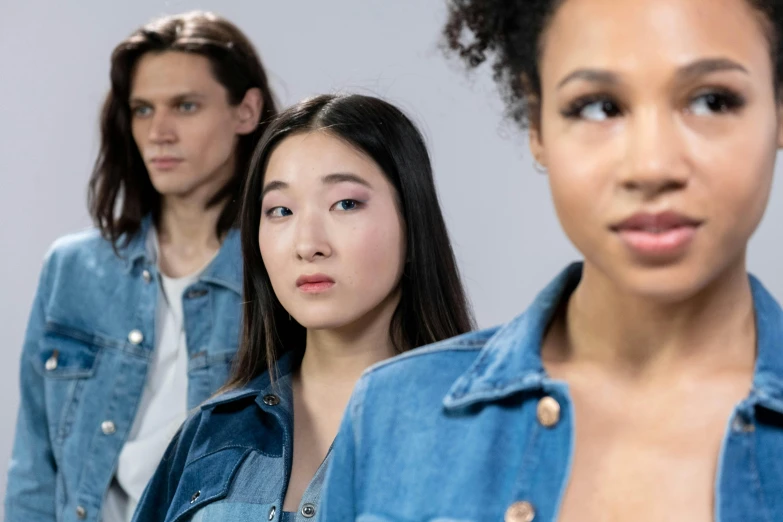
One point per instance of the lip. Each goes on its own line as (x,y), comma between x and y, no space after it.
(165,162)
(314,283)
(659,237)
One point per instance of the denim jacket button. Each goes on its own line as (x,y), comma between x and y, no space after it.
(548,412)
(271,400)
(51,362)
(81,513)
(135,337)
(108,427)
(520,512)
(272,513)
(146,276)
(308,511)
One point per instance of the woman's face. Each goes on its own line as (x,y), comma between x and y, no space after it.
(331,235)
(659,130)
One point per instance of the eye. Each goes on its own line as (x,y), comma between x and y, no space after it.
(716,103)
(278,212)
(592,108)
(141,111)
(188,106)
(346,204)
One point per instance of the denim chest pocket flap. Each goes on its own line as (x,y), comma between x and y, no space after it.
(205,480)
(64,356)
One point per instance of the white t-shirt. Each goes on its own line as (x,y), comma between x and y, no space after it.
(163,406)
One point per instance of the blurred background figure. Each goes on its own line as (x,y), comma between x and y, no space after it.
(137,320)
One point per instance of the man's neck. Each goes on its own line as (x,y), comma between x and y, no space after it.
(187,236)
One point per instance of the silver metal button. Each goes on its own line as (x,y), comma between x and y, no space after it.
(308,511)
(146,276)
(51,362)
(548,412)
(272,513)
(81,513)
(520,512)
(108,427)
(135,337)
(271,400)
(195,496)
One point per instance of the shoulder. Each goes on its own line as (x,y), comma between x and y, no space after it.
(84,247)
(431,369)
(454,355)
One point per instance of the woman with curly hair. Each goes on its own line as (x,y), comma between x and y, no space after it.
(645,382)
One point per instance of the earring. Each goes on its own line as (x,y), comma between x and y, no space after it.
(539,167)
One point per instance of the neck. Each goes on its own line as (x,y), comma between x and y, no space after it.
(339,356)
(187,224)
(635,336)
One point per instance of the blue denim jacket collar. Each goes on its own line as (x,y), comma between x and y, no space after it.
(511,360)
(263,386)
(223,270)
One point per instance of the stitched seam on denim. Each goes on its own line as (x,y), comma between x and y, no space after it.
(418,352)
(228,447)
(98,339)
(751,440)
(522,485)
(357,413)
(222,492)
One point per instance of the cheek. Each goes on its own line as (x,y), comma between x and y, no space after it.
(273,254)
(212,139)
(580,187)
(139,131)
(376,251)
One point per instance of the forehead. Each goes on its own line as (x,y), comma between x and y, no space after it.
(169,74)
(308,156)
(645,34)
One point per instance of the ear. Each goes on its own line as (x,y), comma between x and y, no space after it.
(534,133)
(249,111)
(780,122)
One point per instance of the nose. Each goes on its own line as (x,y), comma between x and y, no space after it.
(655,161)
(311,237)
(162,128)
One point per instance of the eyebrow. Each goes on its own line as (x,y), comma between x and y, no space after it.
(329,179)
(344,177)
(689,72)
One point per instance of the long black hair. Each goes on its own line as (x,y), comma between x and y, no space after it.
(433,305)
(120,192)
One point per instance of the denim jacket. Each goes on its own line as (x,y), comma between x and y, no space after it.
(232,461)
(84,363)
(469,430)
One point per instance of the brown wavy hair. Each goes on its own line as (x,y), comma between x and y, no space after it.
(120,192)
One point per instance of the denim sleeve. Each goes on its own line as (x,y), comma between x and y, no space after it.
(339,499)
(157,497)
(30,493)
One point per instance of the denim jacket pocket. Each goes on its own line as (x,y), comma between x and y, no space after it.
(66,363)
(204,481)
(208,372)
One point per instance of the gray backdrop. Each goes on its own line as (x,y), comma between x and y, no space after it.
(54,59)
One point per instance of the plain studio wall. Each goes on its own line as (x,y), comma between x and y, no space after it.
(54,58)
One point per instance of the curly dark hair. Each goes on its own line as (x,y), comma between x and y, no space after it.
(510,31)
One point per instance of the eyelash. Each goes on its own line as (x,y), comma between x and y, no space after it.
(357,206)
(180,107)
(728,100)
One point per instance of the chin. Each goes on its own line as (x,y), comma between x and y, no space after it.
(323,319)
(666,285)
